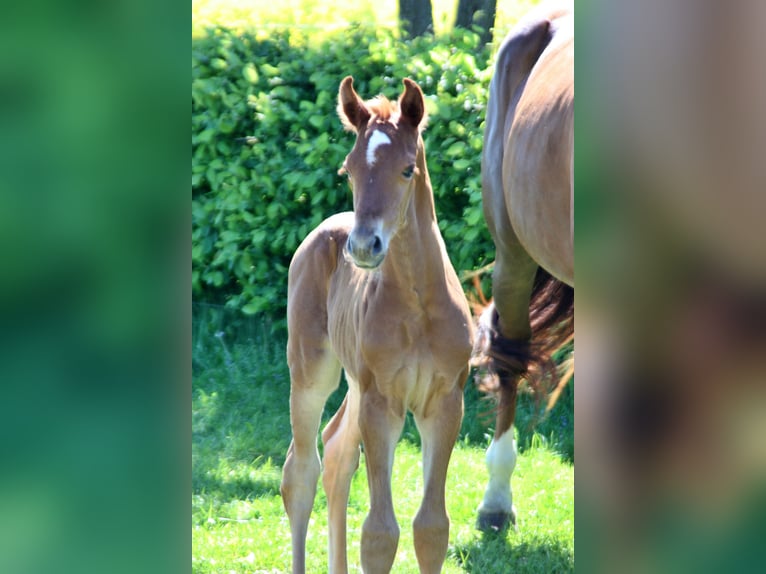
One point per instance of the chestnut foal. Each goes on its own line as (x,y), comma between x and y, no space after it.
(373,293)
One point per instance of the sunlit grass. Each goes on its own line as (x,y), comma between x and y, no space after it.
(312,14)
(327,16)
(240,434)
(241,534)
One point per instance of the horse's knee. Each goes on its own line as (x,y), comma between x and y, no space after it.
(299,480)
(386,530)
(380,538)
(431,526)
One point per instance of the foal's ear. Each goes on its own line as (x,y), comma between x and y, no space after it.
(412,105)
(351,108)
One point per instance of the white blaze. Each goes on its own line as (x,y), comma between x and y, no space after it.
(377,139)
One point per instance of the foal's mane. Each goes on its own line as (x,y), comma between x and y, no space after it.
(382,110)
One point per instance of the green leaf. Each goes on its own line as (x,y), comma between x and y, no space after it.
(252,308)
(456,148)
(218,64)
(205,135)
(269,70)
(317,121)
(250,73)
(226,126)
(461,164)
(273,210)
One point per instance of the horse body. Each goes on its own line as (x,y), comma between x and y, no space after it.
(538,162)
(373,292)
(527,193)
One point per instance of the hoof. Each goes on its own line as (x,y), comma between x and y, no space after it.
(495,521)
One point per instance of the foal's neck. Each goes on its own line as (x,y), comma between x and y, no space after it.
(415,252)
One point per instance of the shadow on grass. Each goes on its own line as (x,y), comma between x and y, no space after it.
(496,553)
(240,487)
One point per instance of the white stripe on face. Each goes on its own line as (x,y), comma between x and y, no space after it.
(377,139)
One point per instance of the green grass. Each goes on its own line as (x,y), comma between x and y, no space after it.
(324,16)
(252,532)
(240,433)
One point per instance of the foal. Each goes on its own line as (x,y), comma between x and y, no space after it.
(373,292)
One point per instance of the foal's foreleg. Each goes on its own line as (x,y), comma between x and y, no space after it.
(341,458)
(311,385)
(380,424)
(438,432)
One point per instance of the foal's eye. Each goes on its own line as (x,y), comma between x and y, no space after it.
(407,173)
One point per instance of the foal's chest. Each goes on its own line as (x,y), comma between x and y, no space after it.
(407,350)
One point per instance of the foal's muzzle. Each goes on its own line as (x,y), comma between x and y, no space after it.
(366,248)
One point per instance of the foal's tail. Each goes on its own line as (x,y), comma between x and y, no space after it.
(503,361)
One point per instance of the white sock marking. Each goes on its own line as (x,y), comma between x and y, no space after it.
(501,460)
(377,139)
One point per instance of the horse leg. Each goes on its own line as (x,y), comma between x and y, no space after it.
(380,425)
(497,511)
(512,283)
(312,381)
(341,458)
(438,432)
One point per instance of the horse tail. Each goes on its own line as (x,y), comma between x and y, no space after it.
(551,311)
(504,361)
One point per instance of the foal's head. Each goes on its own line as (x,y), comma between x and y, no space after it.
(381,167)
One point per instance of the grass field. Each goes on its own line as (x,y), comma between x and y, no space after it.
(330,16)
(240,433)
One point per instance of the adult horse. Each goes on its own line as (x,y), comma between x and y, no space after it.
(373,292)
(527,192)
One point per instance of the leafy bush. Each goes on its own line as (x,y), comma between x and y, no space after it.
(267,144)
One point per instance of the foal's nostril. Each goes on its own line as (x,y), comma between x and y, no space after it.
(366,248)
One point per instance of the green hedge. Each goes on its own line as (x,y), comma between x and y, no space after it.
(267,144)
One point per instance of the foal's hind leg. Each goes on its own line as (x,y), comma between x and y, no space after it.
(341,439)
(313,378)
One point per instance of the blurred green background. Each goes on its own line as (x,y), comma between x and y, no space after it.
(94,219)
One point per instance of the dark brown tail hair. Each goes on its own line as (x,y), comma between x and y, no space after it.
(503,361)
